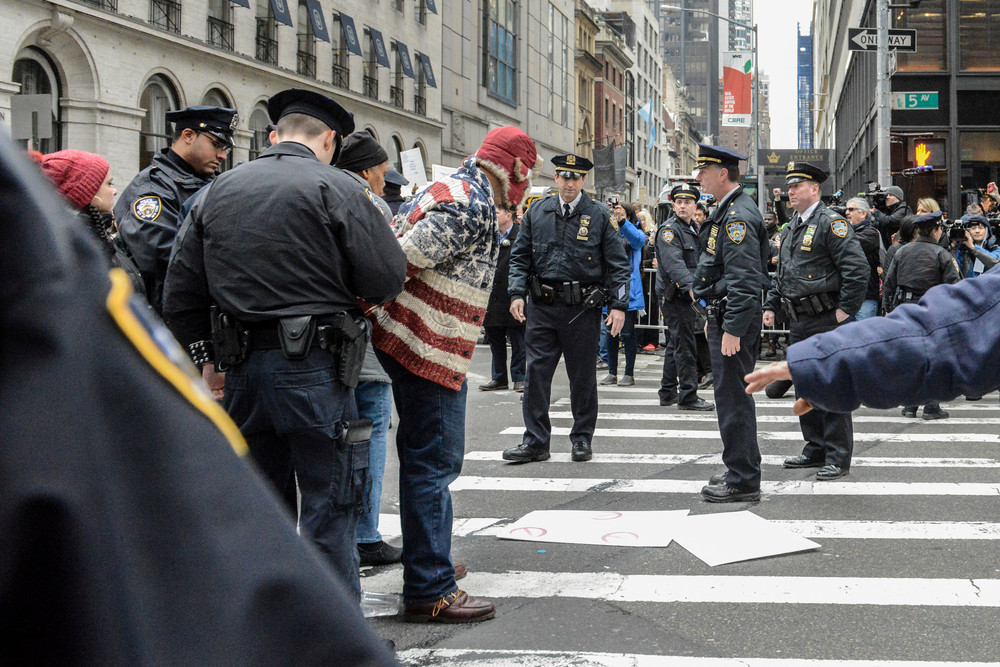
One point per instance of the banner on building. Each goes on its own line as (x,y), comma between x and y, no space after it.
(737,88)
(604,167)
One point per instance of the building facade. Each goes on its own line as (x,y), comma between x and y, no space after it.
(610,94)
(690,44)
(588,67)
(112,68)
(804,88)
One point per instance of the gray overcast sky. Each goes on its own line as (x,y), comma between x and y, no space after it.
(777,58)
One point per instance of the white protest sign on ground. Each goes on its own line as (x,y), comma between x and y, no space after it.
(439,171)
(623,529)
(730,537)
(413,167)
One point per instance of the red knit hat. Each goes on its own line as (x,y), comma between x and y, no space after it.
(509,154)
(77,175)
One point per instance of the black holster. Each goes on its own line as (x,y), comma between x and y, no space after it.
(229,340)
(350,475)
(347,339)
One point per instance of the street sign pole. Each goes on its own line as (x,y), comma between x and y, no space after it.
(883,113)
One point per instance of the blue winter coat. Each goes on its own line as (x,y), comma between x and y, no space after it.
(939,348)
(634,239)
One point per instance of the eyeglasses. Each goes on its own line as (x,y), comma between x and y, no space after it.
(849,209)
(218,143)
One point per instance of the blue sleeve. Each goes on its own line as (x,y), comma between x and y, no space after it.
(934,350)
(633,235)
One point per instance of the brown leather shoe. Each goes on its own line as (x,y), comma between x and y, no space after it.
(459,607)
(460,570)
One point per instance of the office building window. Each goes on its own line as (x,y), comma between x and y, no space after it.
(37,76)
(979,26)
(929,20)
(259,121)
(501,54)
(158,97)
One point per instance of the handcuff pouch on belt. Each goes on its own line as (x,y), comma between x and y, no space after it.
(350,475)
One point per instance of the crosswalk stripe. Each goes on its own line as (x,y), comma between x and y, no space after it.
(716,460)
(969,438)
(711,417)
(873,591)
(536,658)
(389,526)
(784,403)
(794,488)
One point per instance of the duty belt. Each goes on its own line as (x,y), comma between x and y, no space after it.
(570,292)
(809,305)
(266,336)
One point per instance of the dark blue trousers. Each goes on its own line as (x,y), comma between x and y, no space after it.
(497,338)
(680,369)
(550,335)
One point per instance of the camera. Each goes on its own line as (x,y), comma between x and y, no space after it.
(836,202)
(956,231)
(613,201)
(875,194)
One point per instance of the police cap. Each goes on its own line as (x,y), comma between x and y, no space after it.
(572,166)
(927,220)
(217,121)
(804,171)
(321,107)
(393,177)
(684,191)
(717,156)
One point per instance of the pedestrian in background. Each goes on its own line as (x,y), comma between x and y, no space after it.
(633,240)
(500,325)
(394,184)
(859,214)
(425,339)
(888,217)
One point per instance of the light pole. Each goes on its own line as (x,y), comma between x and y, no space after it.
(755,132)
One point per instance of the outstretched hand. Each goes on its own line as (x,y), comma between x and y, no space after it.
(758,380)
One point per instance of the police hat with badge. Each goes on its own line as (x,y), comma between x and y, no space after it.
(572,166)
(216,121)
(310,103)
(717,156)
(797,172)
(684,191)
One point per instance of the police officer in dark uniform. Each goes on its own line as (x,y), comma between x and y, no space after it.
(148,210)
(570,259)
(821,281)
(677,252)
(915,268)
(267,280)
(731,273)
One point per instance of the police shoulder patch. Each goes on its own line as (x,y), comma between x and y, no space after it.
(147,208)
(614,223)
(668,235)
(839,228)
(736,231)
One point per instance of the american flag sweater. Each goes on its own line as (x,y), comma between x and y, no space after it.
(449,234)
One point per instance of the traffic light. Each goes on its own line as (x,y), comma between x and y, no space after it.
(927,152)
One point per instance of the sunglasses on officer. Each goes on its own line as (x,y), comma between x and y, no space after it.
(218,144)
(572,175)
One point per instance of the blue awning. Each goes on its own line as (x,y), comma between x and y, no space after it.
(281,13)
(430,6)
(381,56)
(404,59)
(425,62)
(241,3)
(350,34)
(317,20)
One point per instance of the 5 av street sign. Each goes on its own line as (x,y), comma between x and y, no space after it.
(866,39)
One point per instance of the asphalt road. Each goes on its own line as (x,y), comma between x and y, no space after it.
(907,569)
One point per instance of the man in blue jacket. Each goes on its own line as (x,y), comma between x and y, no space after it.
(934,350)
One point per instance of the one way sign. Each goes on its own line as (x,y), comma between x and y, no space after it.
(866,39)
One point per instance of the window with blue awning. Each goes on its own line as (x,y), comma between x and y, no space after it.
(317,20)
(381,55)
(425,63)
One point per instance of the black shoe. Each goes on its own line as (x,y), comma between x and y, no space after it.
(973,398)
(909,412)
(940,414)
(831,471)
(519,387)
(493,385)
(706,382)
(666,402)
(581,451)
(778,388)
(718,479)
(727,493)
(698,404)
(609,380)
(379,553)
(802,461)
(525,454)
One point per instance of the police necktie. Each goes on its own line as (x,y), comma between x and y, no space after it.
(565,210)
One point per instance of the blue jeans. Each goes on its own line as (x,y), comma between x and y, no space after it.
(374,401)
(430,442)
(868,309)
(289,412)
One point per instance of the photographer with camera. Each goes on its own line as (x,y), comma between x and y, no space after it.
(888,209)
(976,250)
(917,267)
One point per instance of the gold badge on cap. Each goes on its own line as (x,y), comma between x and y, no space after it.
(571,160)
(791,166)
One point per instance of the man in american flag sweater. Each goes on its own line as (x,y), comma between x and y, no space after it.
(425,339)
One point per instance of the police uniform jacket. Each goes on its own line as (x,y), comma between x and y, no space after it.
(498,308)
(820,255)
(586,247)
(308,243)
(676,257)
(917,267)
(148,215)
(884,362)
(733,262)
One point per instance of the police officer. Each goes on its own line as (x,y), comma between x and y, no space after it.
(284,266)
(915,268)
(148,210)
(731,273)
(569,258)
(821,281)
(677,254)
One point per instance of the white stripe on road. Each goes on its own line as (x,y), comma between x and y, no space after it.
(716,460)
(612,586)
(848,530)
(969,438)
(764,402)
(796,487)
(711,417)
(525,658)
